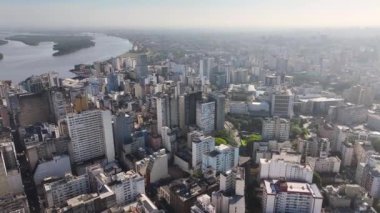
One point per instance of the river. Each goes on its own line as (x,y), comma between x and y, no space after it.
(21,60)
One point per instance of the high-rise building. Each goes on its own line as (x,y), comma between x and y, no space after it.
(220,102)
(230,197)
(205,116)
(187,109)
(368,175)
(347,154)
(141,66)
(201,145)
(154,167)
(285,166)
(127,186)
(275,129)
(282,104)
(221,159)
(324,164)
(91,135)
(282,196)
(123,129)
(10,175)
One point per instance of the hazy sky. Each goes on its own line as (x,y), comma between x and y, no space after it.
(190,13)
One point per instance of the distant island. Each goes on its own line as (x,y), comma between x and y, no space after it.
(2,42)
(1,56)
(63,44)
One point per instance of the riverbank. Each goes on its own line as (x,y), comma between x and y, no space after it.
(63,44)
(2,42)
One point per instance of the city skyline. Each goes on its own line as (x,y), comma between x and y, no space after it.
(210,14)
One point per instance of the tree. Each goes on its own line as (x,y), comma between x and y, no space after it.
(219,141)
(317,179)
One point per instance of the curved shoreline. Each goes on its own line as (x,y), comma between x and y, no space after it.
(63,45)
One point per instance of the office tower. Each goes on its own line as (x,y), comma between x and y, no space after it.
(123,129)
(112,82)
(91,135)
(187,109)
(57,192)
(10,175)
(282,104)
(59,103)
(348,115)
(141,66)
(200,145)
(163,112)
(205,117)
(282,196)
(285,166)
(220,102)
(275,129)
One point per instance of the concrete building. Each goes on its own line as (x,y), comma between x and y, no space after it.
(347,154)
(221,159)
(285,166)
(230,197)
(169,137)
(282,196)
(57,167)
(15,203)
(123,129)
(154,167)
(373,122)
(362,151)
(348,115)
(339,136)
(91,136)
(127,186)
(347,196)
(315,147)
(200,146)
(205,116)
(220,102)
(368,175)
(187,108)
(10,175)
(203,205)
(324,164)
(282,104)
(59,191)
(275,129)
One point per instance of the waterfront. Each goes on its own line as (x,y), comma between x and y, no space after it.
(20,60)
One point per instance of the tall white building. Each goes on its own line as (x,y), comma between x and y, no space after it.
(285,166)
(126,186)
(91,135)
(281,196)
(347,154)
(221,159)
(205,116)
(230,197)
(200,146)
(275,129)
